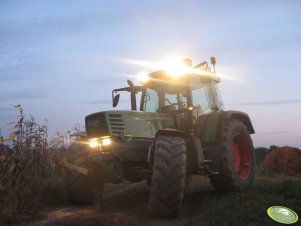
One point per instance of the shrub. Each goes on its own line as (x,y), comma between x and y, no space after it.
(261,152)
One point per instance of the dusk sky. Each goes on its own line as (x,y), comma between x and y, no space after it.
(61,59)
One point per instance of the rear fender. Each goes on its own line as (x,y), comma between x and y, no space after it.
(243,117)
(210,126)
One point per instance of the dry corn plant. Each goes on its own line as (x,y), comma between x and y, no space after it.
(26,162)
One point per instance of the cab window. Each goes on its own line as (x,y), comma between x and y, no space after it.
(201,98)
(151,101)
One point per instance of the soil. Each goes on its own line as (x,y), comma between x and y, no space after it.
(285,160)
(125,204)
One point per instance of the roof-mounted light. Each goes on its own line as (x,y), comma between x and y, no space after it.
(176,67)
(143,77)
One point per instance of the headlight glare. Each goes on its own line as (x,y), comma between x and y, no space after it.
(106,141)
(93,143)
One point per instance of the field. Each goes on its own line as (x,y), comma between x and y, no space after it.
(32,191)
(126,204)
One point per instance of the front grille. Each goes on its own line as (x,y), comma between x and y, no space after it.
(116,124)
(96,125)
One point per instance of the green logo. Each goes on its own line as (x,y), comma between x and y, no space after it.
(282,214)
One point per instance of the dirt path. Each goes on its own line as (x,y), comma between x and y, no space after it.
(126,204)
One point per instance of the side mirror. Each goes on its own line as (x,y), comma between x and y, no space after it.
(116,100)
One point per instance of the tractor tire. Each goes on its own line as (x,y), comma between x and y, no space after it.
(237,159)
(168,179)
(82,189)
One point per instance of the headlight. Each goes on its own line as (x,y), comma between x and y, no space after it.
(106,141)
(99,142)
(93,143)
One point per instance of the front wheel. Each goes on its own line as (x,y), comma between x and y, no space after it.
(168,179)
(237,158)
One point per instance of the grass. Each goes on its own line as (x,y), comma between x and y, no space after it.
(249,208)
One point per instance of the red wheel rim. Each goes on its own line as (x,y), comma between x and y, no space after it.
(241,156)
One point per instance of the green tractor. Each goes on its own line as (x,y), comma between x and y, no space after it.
(179,129)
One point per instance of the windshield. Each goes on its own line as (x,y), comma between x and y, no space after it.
(154,101)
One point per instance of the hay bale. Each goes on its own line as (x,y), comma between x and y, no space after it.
(285,160)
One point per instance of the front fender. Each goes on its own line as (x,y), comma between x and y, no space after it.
(172,132)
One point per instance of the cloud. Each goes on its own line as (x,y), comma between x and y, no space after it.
(274,132)
(24,69)
(98,102)
(31,30)
(278,102)
(22,95)
(13,76)
(6,109)
(103,80)
(104,101)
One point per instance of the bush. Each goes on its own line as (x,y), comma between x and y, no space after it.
(261,152)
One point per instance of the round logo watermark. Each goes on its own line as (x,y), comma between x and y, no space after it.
(282,214)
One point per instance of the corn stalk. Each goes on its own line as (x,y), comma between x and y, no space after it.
(26,160)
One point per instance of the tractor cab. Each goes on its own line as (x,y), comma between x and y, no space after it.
(186,92)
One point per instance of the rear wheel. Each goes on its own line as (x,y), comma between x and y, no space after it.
(82,189)
(168,179)
(237,158)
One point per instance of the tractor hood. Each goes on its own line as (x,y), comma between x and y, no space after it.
(131,124)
